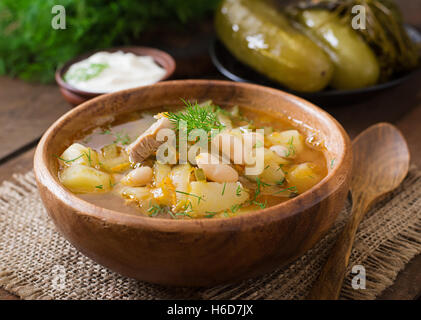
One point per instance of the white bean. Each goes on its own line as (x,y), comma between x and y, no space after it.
(231,146)
(215,170)
(281,151)
(138,177)
(252,141)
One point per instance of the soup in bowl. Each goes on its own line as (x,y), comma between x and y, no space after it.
(194,182)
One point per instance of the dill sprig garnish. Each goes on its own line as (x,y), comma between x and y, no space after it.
(260,204)
(195,116)
(238,191)
(71,160)
(260,184)
(291,148)
(192,195)
(155,209)
(293,189)
(123,138)
(210,214)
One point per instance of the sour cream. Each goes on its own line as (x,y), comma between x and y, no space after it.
(105,72)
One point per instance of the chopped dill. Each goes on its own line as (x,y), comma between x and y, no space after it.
(235,208)
(291,148)
(280,167)
(99,186)
(112,184)
(210,214)
(259,144)
(189,207)
(223,189)
(260,204)
(280,182)
(238,191)
(88,156)
(191,194)
(293,189)
(171,214)
(195,116)
(123,138)
(71,160)
(184,214)
(155,209)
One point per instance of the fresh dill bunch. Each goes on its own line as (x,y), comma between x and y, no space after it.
(196,116)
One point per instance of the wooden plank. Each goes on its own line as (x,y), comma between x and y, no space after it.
(411,11)
(410,125)
(26,111)
(388,106)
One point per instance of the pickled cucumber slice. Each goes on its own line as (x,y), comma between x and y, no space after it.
(263,38)
(356,66)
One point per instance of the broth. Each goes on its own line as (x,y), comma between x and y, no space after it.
(292,165)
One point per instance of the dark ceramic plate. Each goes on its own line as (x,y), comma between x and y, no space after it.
(234,70)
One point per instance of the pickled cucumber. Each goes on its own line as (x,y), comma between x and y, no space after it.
(263,38)
(356,66)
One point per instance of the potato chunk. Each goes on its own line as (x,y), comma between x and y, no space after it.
(160,172)
(180,178)
(291,139)
(216,197)
(272,173)
(79,154)
(136,193)
(304,176)
(141,196)
(83,179)
(113,159)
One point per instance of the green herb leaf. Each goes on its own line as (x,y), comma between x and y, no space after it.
(293,189)
(123,138)
(260,204)
(199,198)
(238,191)
(195,116)
(223,189)
(210,214)
(71,160)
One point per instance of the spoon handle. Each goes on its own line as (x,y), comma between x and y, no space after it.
(329,283)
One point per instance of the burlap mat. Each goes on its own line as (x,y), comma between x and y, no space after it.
(36,262)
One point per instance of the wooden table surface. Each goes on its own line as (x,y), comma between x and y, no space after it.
(27,110)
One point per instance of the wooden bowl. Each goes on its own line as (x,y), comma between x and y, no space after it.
(76,96)
(202,252)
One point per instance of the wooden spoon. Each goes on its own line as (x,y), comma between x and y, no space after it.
(381,162)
